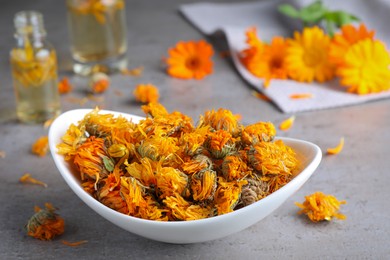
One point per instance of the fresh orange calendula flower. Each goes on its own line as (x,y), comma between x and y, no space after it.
(27,178)
(77,243)
(41,146)
(146,93)
(301,96)
(45,224)
(338,148)
(347,37)
(190,60)
(287,124)
(319,206)
(64,86)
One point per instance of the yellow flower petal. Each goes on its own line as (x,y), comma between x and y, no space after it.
(287,124)
(301,96)
(338,148)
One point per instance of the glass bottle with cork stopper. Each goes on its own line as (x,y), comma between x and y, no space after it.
(34,70)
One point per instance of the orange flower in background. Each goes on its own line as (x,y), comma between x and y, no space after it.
(342,41)
(45,224)
(269,63)
(307,56)
(146,93)
(190,60)
(319,206)
(366,68)
(255,48)
(41,146)
(64,86)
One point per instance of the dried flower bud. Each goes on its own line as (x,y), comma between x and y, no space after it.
(117,150)
(197,164)
(233,167)
(203,185)
(255,190)
(99,82)
(220,144)
(45,224)
(259,132)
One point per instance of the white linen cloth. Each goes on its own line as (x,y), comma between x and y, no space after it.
(233,19)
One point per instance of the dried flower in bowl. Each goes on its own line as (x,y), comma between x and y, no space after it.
(164,169)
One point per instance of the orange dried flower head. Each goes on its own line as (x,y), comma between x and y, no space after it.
(171,181)
(348,36)
(258,132)
(222,119)
(108,193)
(192,143)
(190,60)
(307,56)
(154,109)
(143,171)
(146,93)
(233,168)
(196,164)
(227,195)
(181,209)
(133,193)
(91,159)
(203,185)
(273,158)
(45,224)
(64,86)
(41,146)
(220,143)
(319,206)
(99,82)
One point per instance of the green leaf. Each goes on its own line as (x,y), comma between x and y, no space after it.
(108,163)
(288,10)
(313,13)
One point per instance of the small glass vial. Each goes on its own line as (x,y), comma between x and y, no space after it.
(98,35)
(34,70)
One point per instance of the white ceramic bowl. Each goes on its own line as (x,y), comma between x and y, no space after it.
(184,232)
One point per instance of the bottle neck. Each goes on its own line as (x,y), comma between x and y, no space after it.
(29,28)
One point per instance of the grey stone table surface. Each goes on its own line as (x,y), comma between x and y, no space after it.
(360,174)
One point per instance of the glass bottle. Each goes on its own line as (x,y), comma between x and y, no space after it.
(34,70)
(98,35)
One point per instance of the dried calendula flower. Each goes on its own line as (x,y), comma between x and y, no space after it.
(203,185)
(196,164)
(146,93)
(233,168)
(108,193)
(222,119)
(319,206)
(227,195)
(99,82)
(27,178)
(64,86)
(45,224)
(338,148)
(220,143)
(170,181)
(182,209)
(258,132)
(287,124)
(41,146)
(255,190)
